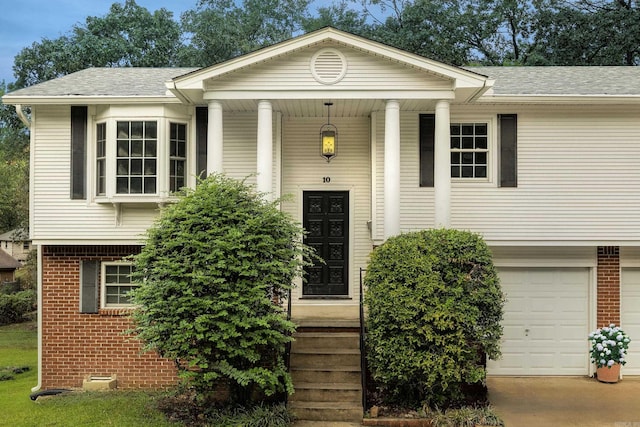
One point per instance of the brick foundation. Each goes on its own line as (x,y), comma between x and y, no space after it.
(75,345)
(608,282)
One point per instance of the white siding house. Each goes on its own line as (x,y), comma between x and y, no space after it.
(542,162)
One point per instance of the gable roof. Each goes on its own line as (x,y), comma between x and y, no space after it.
(15,235)
(7,262)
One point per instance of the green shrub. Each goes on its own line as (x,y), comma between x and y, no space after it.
(434,310)
(15,307)
(213,270)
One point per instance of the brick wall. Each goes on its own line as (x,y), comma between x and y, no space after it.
(75,345)
(608,285)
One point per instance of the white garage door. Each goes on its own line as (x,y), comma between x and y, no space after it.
(545,322)
(630,317)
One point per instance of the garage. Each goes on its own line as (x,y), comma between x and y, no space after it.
(630,316)
(545,322)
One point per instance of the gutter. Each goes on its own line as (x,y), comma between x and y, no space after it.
(22,116)
(178,93)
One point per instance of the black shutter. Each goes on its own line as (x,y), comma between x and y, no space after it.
(508,132)
(427,145)
(78,152)
(89,286)
(202,122)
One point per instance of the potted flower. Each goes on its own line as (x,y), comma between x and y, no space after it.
(609,347)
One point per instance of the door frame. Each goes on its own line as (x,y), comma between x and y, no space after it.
(351,239)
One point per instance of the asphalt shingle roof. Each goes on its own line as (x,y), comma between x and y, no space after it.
(7,262)
(523,81)
(107,82)
(597,80)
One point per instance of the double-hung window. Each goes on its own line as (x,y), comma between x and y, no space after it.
(136,157)
(177,155)
(116,284)
(469,150)
(101,159)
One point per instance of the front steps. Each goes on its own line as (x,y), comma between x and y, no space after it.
(325,367)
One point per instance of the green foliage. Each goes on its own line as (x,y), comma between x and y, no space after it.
(464,417)
(213,267)
(15,307)
(434,309)
(129,35)
(223,29)
(262,415)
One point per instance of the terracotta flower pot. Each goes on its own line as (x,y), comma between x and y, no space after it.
(609,375)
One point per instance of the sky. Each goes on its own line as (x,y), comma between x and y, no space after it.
(23,22)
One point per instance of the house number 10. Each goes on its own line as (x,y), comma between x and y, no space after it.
(326,179)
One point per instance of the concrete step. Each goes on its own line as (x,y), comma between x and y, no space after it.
(323,359)
(327,392)
(336,374)
(326,340)
(326,411)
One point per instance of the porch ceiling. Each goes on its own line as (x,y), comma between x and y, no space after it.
(340,108)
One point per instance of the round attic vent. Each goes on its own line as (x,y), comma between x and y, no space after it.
(328,66)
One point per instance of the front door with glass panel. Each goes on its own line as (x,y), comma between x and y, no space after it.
(326,220)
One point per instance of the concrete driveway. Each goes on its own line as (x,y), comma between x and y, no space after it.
(565,401)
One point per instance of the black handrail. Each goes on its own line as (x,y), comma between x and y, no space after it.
(363,358)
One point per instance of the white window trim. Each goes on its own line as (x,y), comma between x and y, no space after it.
(162,194)
(492,148)
(103,284)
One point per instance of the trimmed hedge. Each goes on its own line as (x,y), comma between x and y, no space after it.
(434,310)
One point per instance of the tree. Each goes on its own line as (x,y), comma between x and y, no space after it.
(434,309)
(212,273)
(587,32)
(223,29)
(129,35)
(339,15)
(14,169)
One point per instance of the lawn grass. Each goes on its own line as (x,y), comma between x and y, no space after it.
(18,348)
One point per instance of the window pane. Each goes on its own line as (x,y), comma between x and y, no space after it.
(180,168)
(182,148)
(481,158)
(467,158)
(123,130)
(455,171)
(467,172)
(481,171)
(122,185)
(467,129)
(136,130)
(173,148)
(123,167)
(136,167)
(136,185)
(136,148)
(151,130)
(455,158)
(455,129)
(455,142)
(149,167)
(481,143)
(149,185)
(150,148)
(481,128)
(123,148)
(467,142)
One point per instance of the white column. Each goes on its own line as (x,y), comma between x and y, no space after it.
(392,169)
(265,148)
(442,166)
(215,139)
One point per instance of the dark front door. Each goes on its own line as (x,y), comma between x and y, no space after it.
(326,220)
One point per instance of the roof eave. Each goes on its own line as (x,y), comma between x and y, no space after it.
(91,99)
(559,99)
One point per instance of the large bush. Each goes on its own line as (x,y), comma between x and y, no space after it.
(213,271)
(434,310)
(16,307)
